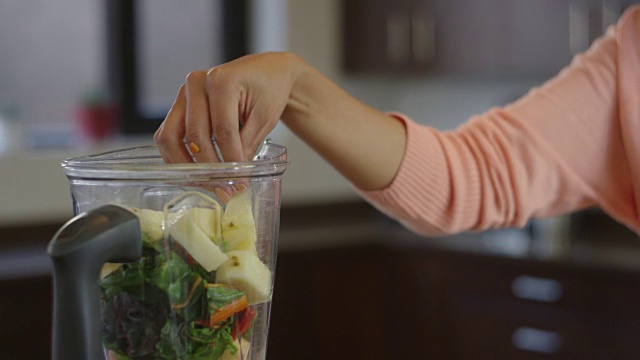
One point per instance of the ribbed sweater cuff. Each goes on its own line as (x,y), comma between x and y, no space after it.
(421,187)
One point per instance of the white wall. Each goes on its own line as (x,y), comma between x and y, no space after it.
(314,32)
(51,53)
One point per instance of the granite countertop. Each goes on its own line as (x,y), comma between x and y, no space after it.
(589,239)
(586,239)
(34,188)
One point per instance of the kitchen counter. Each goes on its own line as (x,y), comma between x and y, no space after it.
(35,190)
(447,294)
(586,239)
(601,244)
(560,289)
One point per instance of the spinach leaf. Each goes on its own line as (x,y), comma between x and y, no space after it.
(219,296)
(155,309)
(131,278)
(174,277)
(210,343)
(172,344)
(132,325)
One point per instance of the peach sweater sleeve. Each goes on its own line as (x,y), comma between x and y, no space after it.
(569,144)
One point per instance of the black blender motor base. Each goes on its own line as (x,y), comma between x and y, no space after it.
(79,250)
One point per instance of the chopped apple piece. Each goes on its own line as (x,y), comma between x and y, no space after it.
(108,268)
(208,220)
(240,239)
(188,234)
(238,224)
(246,272)
(151,223)
(239,211)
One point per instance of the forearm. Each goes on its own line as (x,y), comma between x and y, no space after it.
(362,143)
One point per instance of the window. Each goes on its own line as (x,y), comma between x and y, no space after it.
(153,44)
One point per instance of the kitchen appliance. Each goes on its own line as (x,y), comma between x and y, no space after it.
(167,261)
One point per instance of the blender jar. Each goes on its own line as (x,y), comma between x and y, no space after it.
(202,288)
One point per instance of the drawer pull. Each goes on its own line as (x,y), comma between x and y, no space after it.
(536,340)
(538,289)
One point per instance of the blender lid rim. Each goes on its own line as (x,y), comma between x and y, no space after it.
(138,160)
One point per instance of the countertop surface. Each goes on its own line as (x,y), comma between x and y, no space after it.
(588,240)
(35,189)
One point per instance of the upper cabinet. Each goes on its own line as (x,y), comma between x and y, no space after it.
(388,36)
(471,37)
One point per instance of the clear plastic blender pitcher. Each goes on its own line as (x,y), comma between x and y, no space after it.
(202,287)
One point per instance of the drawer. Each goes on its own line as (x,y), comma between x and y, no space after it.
(598,292)
(26,318)
(487,329)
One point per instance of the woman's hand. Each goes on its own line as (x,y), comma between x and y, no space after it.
(237,104)
(240,102)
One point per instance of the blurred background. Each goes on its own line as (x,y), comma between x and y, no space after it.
(80,77)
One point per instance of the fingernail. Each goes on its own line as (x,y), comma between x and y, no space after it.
(222,195)
(194,148)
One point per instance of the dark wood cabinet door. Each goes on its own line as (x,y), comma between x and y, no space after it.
(25,315)
(471,37)
(330,305)
(382,36)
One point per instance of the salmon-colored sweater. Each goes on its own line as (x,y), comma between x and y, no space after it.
(571,143)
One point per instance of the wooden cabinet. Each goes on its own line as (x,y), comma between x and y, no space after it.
(383,302)
(25,318)
(400,298)
(330,305)
(471,37)
(513,310)
(388,36)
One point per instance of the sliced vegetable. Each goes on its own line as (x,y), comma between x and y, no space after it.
(108,268)
(151,223)
(187,298)
(239,239)
(197,243)
(228,310)
(174,276)
(239,210)
(208,220)
(246,272)
(238,224)
(242,322)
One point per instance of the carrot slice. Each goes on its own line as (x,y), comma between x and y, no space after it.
(191,291)
(226,311)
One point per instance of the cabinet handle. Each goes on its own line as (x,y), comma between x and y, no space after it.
(537,288)
(423,38)
(398,40)
(536,340)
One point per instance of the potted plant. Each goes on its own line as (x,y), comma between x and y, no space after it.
(97,118)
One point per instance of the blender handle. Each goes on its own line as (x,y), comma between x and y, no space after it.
(79,249)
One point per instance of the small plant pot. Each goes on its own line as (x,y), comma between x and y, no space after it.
(97,122)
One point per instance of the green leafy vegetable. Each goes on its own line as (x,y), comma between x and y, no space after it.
(219,296)
(174,276)
(160,308)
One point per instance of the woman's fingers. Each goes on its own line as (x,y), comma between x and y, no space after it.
(198,127)
(255,130)
(169,136)
(237,104)
(226,103)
